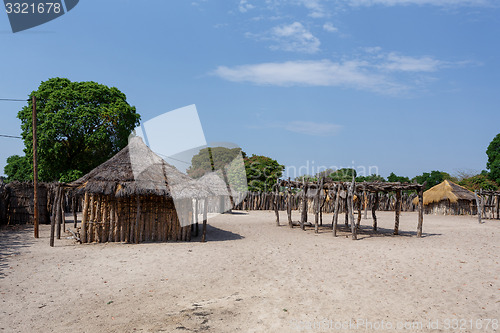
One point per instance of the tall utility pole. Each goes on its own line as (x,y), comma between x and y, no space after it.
(35,169)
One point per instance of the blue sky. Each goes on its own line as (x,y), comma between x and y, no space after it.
(407,86)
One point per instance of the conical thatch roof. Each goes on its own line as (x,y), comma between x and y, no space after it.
(136,170)
(447,190)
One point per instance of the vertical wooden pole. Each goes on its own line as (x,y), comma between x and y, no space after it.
(365,194)
(374,209)
(53,224)
(63,215)
(58,212)
(204,230)
(303,217)
(478,204)
(336,211)
(276,198)
(289,204)
(83,232)
(73,210)
(35,169)
(197,226)
(350,199)
(137,220)
(360,207)
(420,211)
(398,212)
(498,207)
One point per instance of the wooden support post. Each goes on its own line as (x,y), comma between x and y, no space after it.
(360,207)
(35,170)
(498,207)
(365,195)
(398,212)
(58,212)
(289,204)
(420,211)
(350,200)
(197,226)
(374,209)
(336,211)
(137,219)
(303,217)
(63,215)
(204,231)
(483,203)
(52,226)
(276,197)
(83,232)
(73,210)
(316,210)
(320,204)
(478,204)
(346,210)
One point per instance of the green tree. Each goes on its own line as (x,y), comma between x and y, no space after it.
(219,157)
(493,164)
(477,182)
(371,178)
(18,168)
(433,178)
(343,175)
(80,125)
(394,179)
(262,173)
(307,178)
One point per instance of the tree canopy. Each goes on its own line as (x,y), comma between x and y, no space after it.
(393,178)
(343,175)
(493,164)
(433,178)
(370,178)
(80,126)
(477,182)
(218,157)
(262,173)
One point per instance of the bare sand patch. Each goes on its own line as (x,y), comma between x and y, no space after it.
(252,276)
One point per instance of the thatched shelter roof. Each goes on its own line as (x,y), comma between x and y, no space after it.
(447,190)
(137,170)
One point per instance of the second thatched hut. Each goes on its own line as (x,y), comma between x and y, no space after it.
(449,198)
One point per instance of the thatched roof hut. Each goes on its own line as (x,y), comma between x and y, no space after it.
(135,170)
(136,196)
(449,198)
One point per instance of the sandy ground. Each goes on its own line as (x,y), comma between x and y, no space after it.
(252,276)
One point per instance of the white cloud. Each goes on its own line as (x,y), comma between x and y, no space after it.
(315,7)
(395,62)
(329,27)
(440,3)
(312,128)
(295,38)
(308,73)
(244,6)
(386,73)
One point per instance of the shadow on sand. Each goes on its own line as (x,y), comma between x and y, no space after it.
(217,235)
(12,240)
(364,231)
